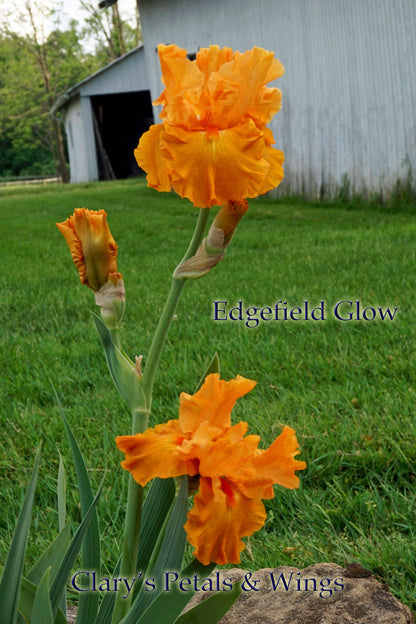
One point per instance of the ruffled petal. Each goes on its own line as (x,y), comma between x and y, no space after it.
(212,167)
(267,104)
(212,403)
(201,441)
(237,88)
(275,159)
(274,176)
(174,65)
(277,464)
(220,517)
(210,59)
(229,454)
(156,453)
(183,81)
(149,158)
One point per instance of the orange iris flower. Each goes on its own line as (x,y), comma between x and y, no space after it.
(93,249)
(234,475)
(213,145)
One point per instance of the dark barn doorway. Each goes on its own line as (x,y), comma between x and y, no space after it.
(119,121)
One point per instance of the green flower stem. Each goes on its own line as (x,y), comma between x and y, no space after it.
(141,419)
(131,528)
(134,505)
(169,310)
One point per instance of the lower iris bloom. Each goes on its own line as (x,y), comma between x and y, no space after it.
(234,474)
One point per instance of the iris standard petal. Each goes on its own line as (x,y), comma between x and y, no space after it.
(211,59)
(212,403)
(237,88)
(183,81)
(229,454)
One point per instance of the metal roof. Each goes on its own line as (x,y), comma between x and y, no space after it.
(83,84)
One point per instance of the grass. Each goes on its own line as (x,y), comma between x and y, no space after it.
(346,387)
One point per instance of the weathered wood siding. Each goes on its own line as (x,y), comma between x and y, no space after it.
(81,143)
(349,92)
(124,75)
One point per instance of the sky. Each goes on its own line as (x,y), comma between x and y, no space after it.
(67,10)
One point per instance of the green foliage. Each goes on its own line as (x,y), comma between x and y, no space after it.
(91,557)
(167,555)
(212,610)
(121,368)
(37,598)
(42,608)
(346,388)
(33,74)
(27,94)
(112,36)
(12,574)
(22,112)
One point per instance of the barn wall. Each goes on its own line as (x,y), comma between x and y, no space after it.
(124,77)
(81,142)
(349,92)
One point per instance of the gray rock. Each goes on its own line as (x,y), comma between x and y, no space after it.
(323,593)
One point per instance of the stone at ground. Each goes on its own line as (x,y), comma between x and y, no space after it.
(323,593)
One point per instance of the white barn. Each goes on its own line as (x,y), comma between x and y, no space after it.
(349,92)
(104,117)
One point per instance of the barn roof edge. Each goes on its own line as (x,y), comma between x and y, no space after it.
(74,91)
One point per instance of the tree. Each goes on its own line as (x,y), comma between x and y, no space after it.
(113,36)
(35,70)
(43,57)
(23,119)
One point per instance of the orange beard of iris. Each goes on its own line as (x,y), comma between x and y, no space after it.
(226,488)
(213,145)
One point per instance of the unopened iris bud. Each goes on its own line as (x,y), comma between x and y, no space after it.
(94,252)
(212,248)
(228,217)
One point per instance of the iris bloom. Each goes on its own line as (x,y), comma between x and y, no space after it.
(234,474)
(213,145)
(93,249)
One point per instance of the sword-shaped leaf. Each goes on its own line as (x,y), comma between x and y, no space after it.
(13,568)
(209,611)
(42,609)
(167,554)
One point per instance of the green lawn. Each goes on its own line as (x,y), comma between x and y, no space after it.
(348,388)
